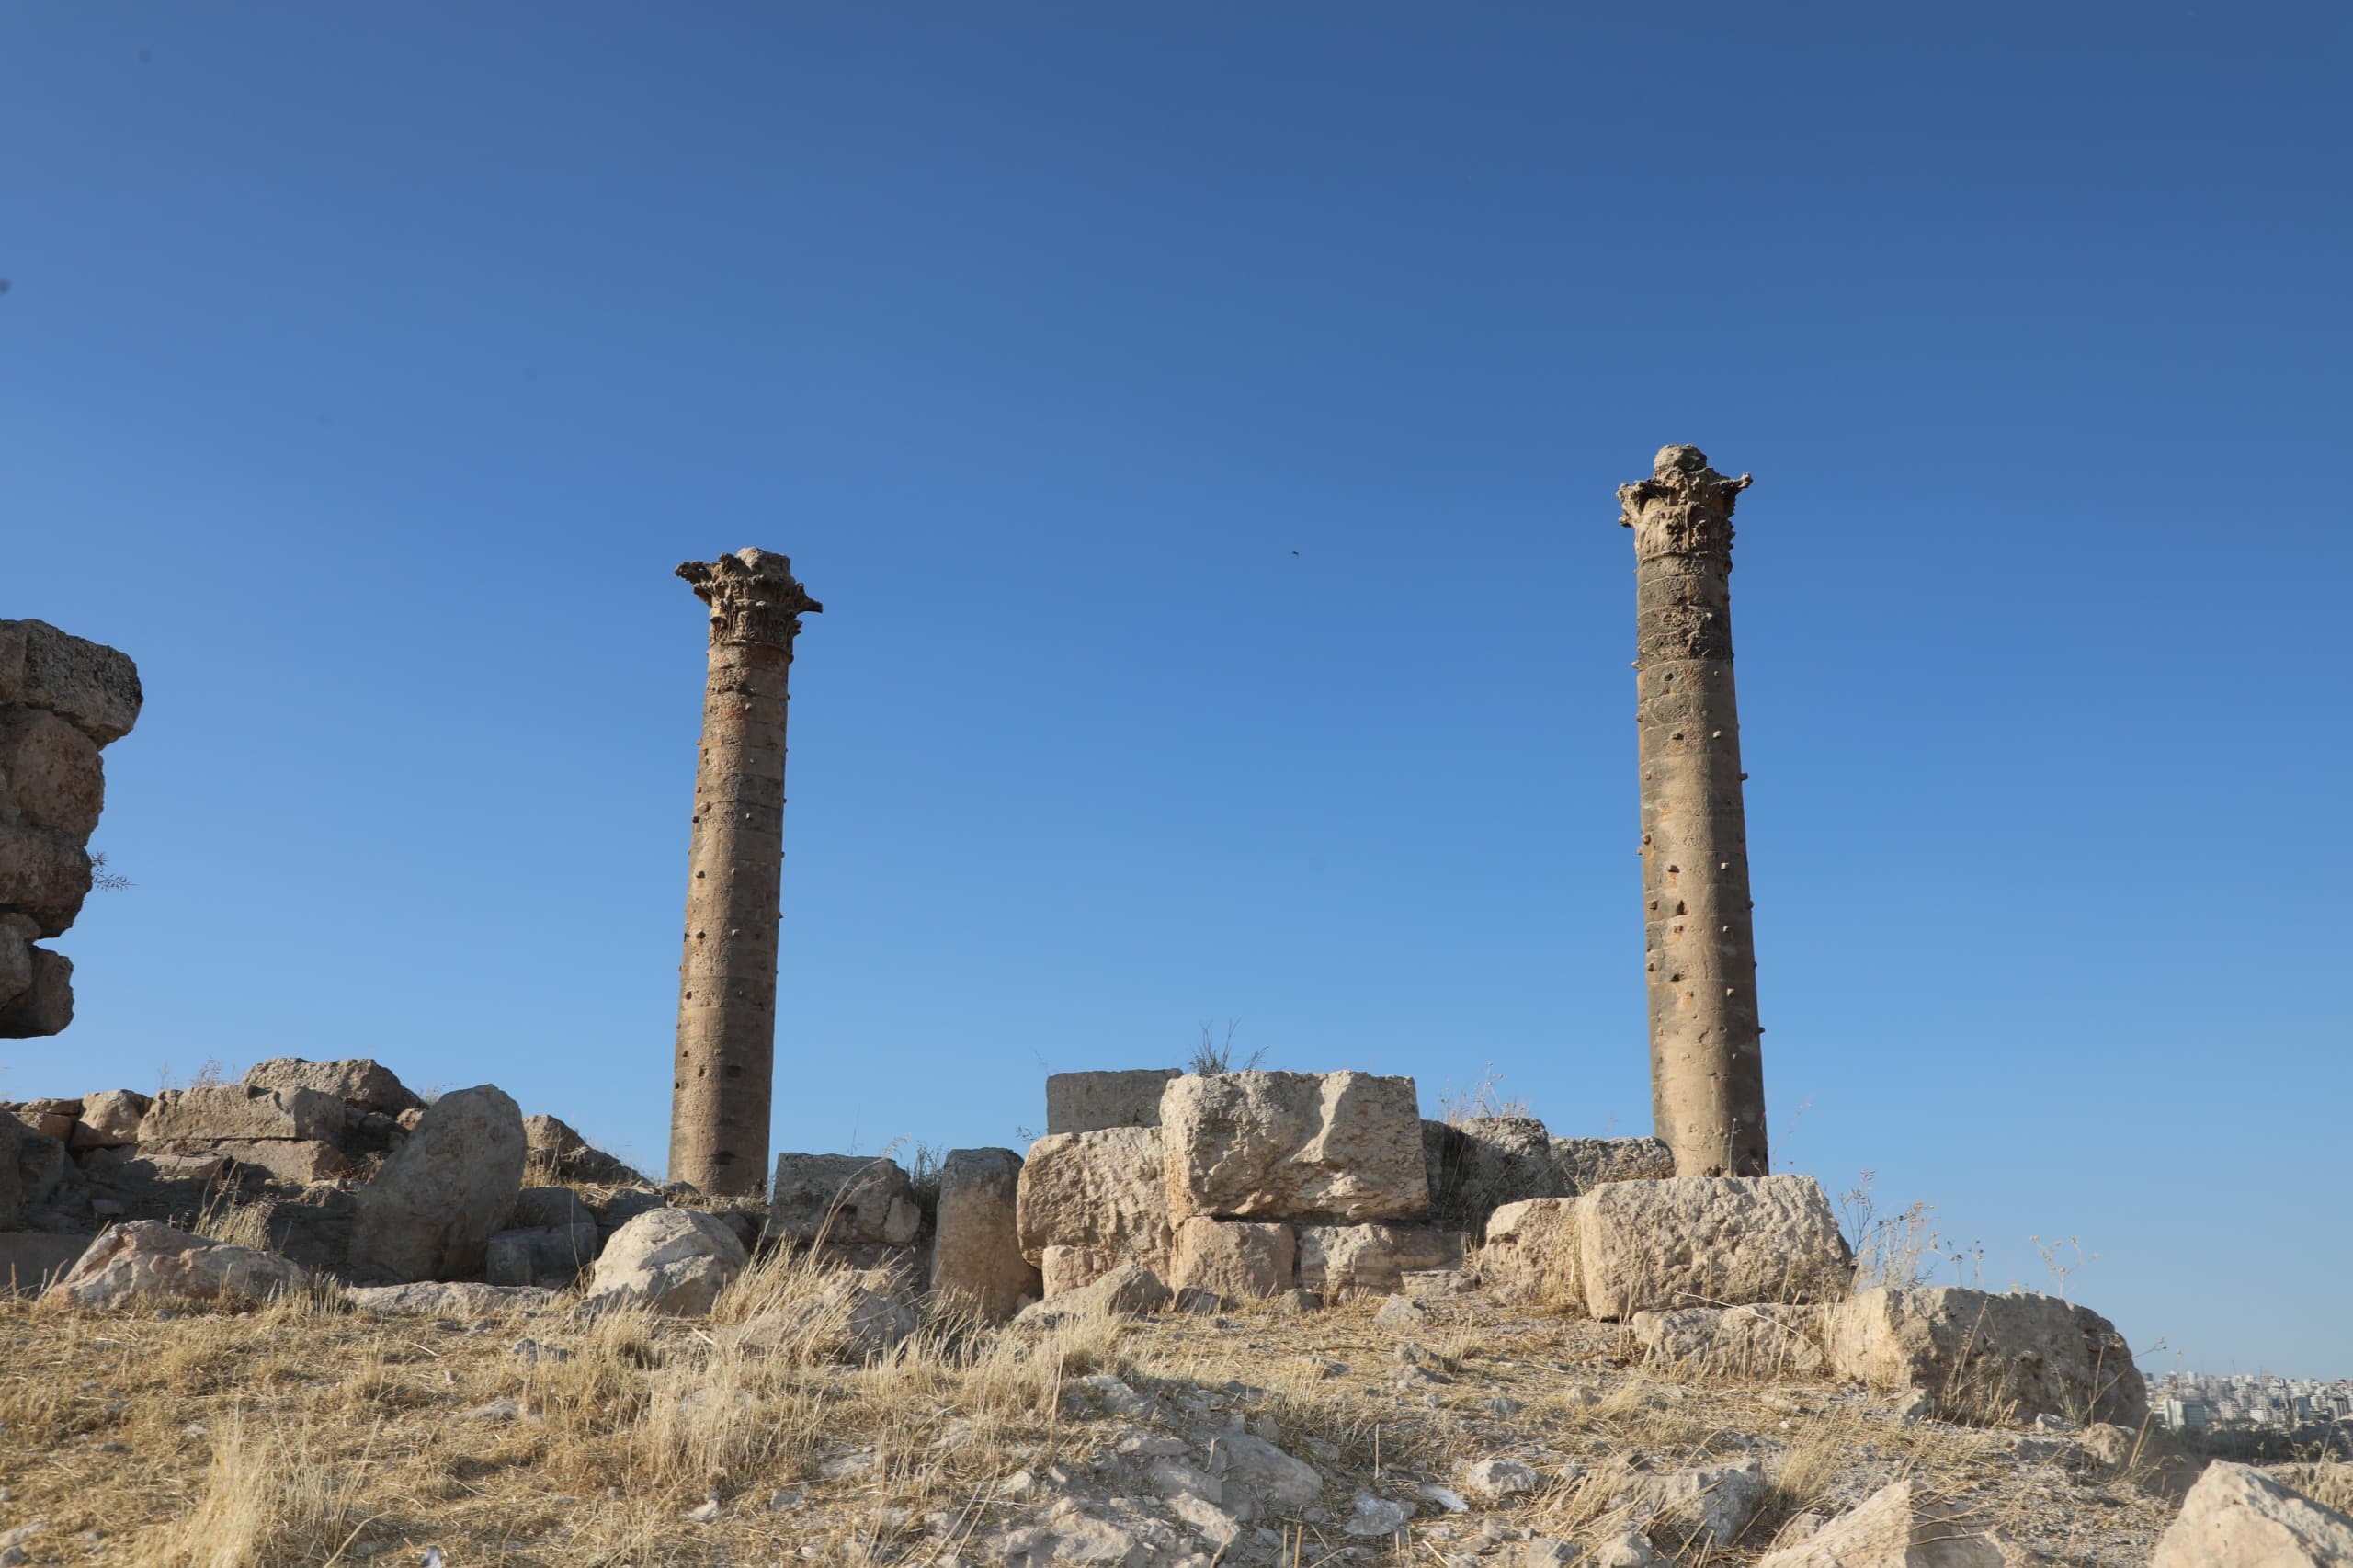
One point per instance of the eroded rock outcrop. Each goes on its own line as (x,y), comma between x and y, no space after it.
(149,1261)
(2238,1518)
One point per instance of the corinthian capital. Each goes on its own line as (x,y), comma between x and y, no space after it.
(753,595)
(1684,508)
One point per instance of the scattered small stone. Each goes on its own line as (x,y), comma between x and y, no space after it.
(1401,1314)
(1631,1550)
(1492,1480)
(1502,1404)
(1445,1497)
(1377,1516)
(706,1513)
(508,1408)
(531,1352)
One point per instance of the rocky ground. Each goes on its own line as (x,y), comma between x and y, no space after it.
(1458,1430)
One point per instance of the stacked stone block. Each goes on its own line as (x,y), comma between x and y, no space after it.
(63,700)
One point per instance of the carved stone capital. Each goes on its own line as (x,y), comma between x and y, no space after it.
(753,598)
(1684,508)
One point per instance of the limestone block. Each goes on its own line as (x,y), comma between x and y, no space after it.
(45,1005)
(537,1208)
(1482,1162)
(133,1160)
(446,1299)
(1586,1163)
(234,1111)
(1907,1524)
(667,1260)
(51,771)
(90,686)
(620,1208)
(12,1181)
(570,1156)
(1097,1193)
(1260,1481)
(1371,1259)
(57,1124)
(44,875)
(1532,1252)
(285,1159)
(1234,1260)
(1062,1269)
(433,1206)
(30,1259)
(1312,1146)
(1985,1358)
(2237,1516)
(1718,1241)
(149,1261)
(1756,1342)
(842,1320)
(1710,1502)
(1129,1291)
(976,1246)
(551,1256)
(844,1200)
(109,1120)
(41,1168)
(356,1081)
(1088,1102)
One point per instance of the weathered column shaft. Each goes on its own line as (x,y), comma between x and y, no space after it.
(727,980)
(1706,1067)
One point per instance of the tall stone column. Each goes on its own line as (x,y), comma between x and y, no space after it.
(1706,1069)
(718,1106)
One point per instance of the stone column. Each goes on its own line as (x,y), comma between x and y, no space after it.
(719,1107)
(1707,1070)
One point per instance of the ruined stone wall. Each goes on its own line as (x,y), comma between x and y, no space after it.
(62,700)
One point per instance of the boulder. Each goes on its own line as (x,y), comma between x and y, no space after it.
(1755,1342)
(669,1260)
(445,1299)
(356,1081)
(1129,1291)
(570,1156)
(1985,1358)
(1359,1260)
(2239,1517)
(1531,1252)
(1711,1502)
(843,1199)
(109,1120)
(89,684)
(30,1259)
(1907,1524)
(1260,1481)
(1480,1163)
(437,1200)
(1708,1241)
(149,1261)
(842,1320)
(1315,1146)
(976,1242)
(551,1256)
(1232,1260)
(1585,1163)
(1099,1197)
(52,772)
(234,1110)
(538,1207)
(1088,1102)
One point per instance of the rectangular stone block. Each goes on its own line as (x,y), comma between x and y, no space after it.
(847,1200)
(1232,1260)
(91,685)
(233,1111)
(42,874)
(284,1159)
(1100,1192)
(1531,1252)
(976,1242)
(109,1120)
(1708,1241)
(1334,1147)
(1587,1163)
(1088,1102)
(1480,1163)
(1371,1259)
(1987,1357)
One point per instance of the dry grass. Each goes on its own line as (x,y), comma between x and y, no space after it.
(301,1433)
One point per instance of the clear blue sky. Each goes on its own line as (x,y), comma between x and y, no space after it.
(1200,424)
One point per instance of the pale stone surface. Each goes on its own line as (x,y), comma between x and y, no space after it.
(551,1256)
(1088,1102)
(147,1260)
(1234,1260)
(723,1072)
(976,1242)
(234,1111)
(847,1200)
(356,1081)
(2238,1518)
(1982,1356)
(286,1159)
(1097,1196)
(1753,1342)
(1373,1259)
(446,1299)
(1713,1503)
(1720,1241)
(1491,1481)
(1587,1163)
(109,1120)
(1130,1290)
(1255,1471)
(430,1211)
(1332,1146)
(30,1259)
(841,1319)
(1907,1524)
(668,1260)
(1532,1251)
(1707,1070)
